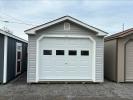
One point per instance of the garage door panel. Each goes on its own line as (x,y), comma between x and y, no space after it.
(129,61)
(64,66)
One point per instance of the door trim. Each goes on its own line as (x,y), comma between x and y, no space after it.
(67,36)
(18,50)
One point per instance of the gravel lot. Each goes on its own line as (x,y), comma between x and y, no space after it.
(19,90)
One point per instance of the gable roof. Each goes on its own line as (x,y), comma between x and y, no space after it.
(120,34)
(12,36)
(34,29)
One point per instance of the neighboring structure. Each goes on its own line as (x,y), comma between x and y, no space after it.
(119,56)
(65,49)
(13,56)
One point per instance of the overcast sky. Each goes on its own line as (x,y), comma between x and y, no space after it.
(107,15)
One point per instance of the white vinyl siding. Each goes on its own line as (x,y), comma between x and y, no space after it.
(59,30)
(99,59)
(31,71)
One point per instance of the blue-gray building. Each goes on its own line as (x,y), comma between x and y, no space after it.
(13,56)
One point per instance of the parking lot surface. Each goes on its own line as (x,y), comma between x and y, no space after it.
(18,89)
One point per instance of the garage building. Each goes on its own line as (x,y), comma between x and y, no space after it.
(119,56)
(65,49)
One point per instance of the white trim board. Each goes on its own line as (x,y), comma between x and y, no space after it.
(61,80)
(5,59)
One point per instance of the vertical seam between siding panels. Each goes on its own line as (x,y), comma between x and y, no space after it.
(5,59)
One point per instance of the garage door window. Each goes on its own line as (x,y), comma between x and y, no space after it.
(84,53)
(59,52)
(47,52)
(72,52)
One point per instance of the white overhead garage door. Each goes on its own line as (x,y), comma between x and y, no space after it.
(65,59)
(129,62)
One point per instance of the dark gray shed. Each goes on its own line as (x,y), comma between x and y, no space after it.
(13,56)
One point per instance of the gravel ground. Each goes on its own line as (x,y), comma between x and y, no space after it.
(19,90)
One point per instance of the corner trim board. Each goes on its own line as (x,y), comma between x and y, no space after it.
(5,59)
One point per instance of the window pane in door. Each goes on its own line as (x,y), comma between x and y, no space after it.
(72,52)
(47,52)
(59,52)
(18,66)
(18,55)
(84,53)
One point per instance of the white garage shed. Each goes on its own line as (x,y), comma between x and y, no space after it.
(65,49)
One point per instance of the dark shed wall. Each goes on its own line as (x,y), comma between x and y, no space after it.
(1,57)
(11,58)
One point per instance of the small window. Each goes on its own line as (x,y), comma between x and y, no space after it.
(18,66)
(18,55)
(47,52)
(84,53)
(59,52)
(72,52)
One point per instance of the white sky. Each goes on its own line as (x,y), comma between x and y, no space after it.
(107,15)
